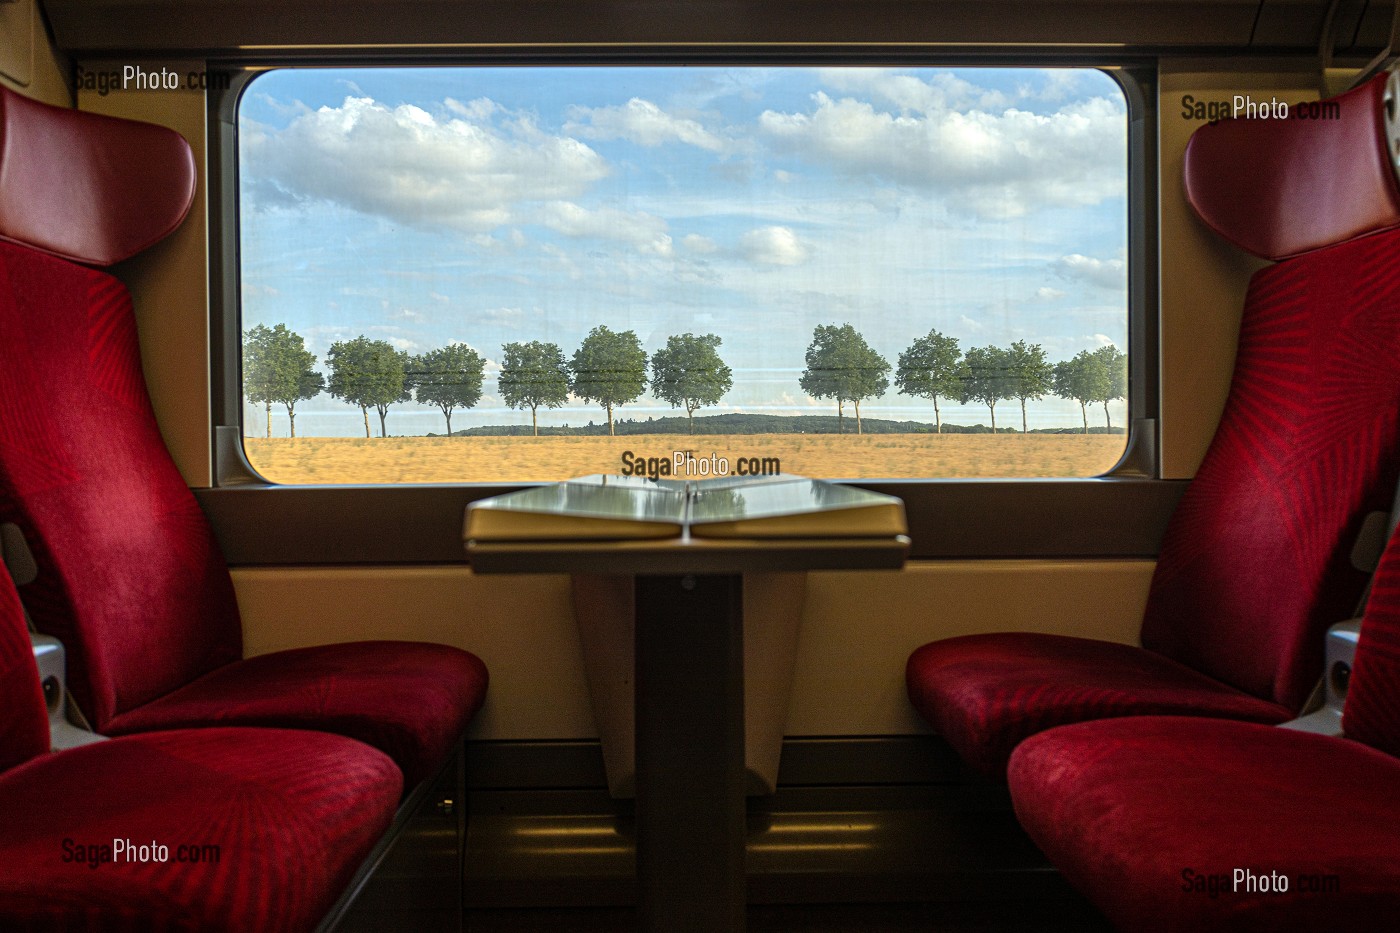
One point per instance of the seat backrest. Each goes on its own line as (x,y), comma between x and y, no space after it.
(1255,563)
(24,723)
(130,577)
(1372,710)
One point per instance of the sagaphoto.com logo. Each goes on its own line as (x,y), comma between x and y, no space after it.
(148,78)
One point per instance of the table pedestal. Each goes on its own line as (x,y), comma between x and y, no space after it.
(690,752)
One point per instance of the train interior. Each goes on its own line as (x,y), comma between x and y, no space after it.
(1084,695)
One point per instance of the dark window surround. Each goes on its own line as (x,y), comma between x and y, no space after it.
(1120,515)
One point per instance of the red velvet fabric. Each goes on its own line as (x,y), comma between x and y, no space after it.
(293,815)
(24,723)
(1256,562)
(86,187)
(1372,713)
(985,693)
(1283,187)
(408,699)
(1125,807)
(131,581)
(131,578)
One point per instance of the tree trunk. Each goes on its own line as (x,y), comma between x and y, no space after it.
(269,419)
(292,420)
(383,428)
(858,428)
(1106,418)
(1023,416)
(937,418)
(535,419)
(690,413)
(1084,413)
(610,421)
(993,409)
(840,417)
(366,413)
(448,416)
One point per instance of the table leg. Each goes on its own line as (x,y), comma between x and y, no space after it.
(690,753)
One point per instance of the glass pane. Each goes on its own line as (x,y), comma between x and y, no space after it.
(840,272)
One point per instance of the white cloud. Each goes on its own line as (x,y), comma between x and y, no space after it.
(1105,273)
(941,91)
(992,165)
(1045,293)
(696,243)
(457,170)
(774,246)
(644,231)
(642,122)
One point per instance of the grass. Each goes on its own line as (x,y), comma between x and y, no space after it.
(335,460)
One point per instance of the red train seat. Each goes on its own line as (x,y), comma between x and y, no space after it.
(1174,824)
(242,829)
(130,576)
(1255,562)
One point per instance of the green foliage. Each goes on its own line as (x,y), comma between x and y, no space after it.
(1032,376)
(1114,363)
(689,373)
(448,377)
(534,374)
(277,367)
(1085,379)
(989,377)
(368,374)
(841,365)
(930,368)
(609,368)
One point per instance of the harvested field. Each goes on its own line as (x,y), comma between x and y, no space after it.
(336,460)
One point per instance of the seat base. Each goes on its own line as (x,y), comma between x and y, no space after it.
(985,693)
(410,700)
(260,829)
(1157,818)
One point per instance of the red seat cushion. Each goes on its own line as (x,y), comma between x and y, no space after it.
(985,693)
(24,725)
(1125,808)
(293,815)
(408,699)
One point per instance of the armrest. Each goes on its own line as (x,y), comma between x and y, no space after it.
(1341,654)
(49,655)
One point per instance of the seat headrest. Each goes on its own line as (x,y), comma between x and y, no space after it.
(87,187)
(1282,186)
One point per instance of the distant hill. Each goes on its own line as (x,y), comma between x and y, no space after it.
(756,424)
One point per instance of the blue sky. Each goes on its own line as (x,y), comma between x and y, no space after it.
(488,205)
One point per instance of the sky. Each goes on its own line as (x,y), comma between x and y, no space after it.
(487,205)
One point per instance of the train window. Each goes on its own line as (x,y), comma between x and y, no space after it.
(533,272)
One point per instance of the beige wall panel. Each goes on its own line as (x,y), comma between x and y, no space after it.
(857,631)
(521,626)
(28,61)
(1203,277)
(169,282)
(860,628)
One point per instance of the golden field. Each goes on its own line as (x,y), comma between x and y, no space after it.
(334,460)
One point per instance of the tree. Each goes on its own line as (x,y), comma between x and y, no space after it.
(448,377)
(1114,363)
(1031,375)
(989,377)
(928,369)
(534,374)
(841,365)
(688,372)
(1083,379)
(309,385)
(277,367)
(369,374)
(609,368)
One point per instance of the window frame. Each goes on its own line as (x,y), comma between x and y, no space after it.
(1119,514)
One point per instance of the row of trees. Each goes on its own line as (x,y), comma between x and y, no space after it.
(611,369)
